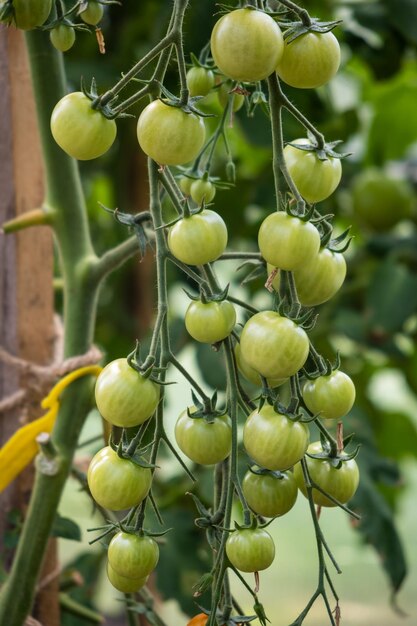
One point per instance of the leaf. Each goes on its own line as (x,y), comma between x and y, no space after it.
(65,528)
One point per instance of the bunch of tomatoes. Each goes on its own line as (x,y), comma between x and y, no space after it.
(305,268)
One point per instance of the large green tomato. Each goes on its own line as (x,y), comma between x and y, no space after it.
(331,396)
(124,397)
(310,60)
(287,242)
(28,14)
(79,130)
(169,135)
(123,584)
(273,440)
(198,239)
(246,45)
(199,81)
(318,281)
(250,550)
(252,375)
(210,322)
(315,180)
(203,442)
(379,201)
(273,345)
(132,556)
(269,495)
(341,483)
(115,483)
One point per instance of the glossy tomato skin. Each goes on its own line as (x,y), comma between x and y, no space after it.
(315,180)
(250,550)
(123,584)
(331,396)
(29,14)
(198,239)
(341,483)
(310,60)
(274,345)
(269,495)
(79,130)
(169,135)
(199,81)
(318,281)
(123,396)
(62,37)
(202,190)
(287,242)
(204,443)
(93,13)
(132,556)
(246,45)
(210,322)
(117,484)
(274,441)
(252,375)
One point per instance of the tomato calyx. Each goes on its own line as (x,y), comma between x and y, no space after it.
(136,456)
(205,297)
(331,454)
(187,106)
(262,471)
(324,152)
(205,409)
(293,30)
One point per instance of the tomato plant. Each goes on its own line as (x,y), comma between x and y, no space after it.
(124,397)
(198,239)
(132,556)
(211,321)
(269,494)
(250,549)
(310,60)
(204,442)
(81,131)
(62,37)
(273,440)
(169,135)
(117,483)
(331,396)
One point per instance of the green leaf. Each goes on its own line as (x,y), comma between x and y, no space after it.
(65,528)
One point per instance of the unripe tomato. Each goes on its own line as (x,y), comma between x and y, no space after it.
(246,45)
(93,13)
(210,322)
(199,81)
(123,396)
(341,483)
(252,375)
(79,130)
(62,37)
(250,550)
(273,440)
(203,442)
(379,201)
(223,93)
(132,556)
(315,180)
(269,495)
(202,190)
(169,135)
(123,584)
(185,184)
(287,242)
(273,345)
(29,14)
(332,396)
(198,239)
(115,483)
(310,60)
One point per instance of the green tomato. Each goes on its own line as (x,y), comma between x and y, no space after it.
(331,396)
(315,180)
(26,14)
(210,322)
(273,440)
(79,130)
(202,190)
(169,135)
(115,483)
(287,242)
(269,495)
(341,483)
(62,37)
(273,345)
(246,45)
(310,60)
(203,442)
(93,13)
(123,584)
(223,93)
(318,281)
(250,550)
(132,556)
(123,396)
(379,201)
(198,239)
(199,81)
(252,375)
